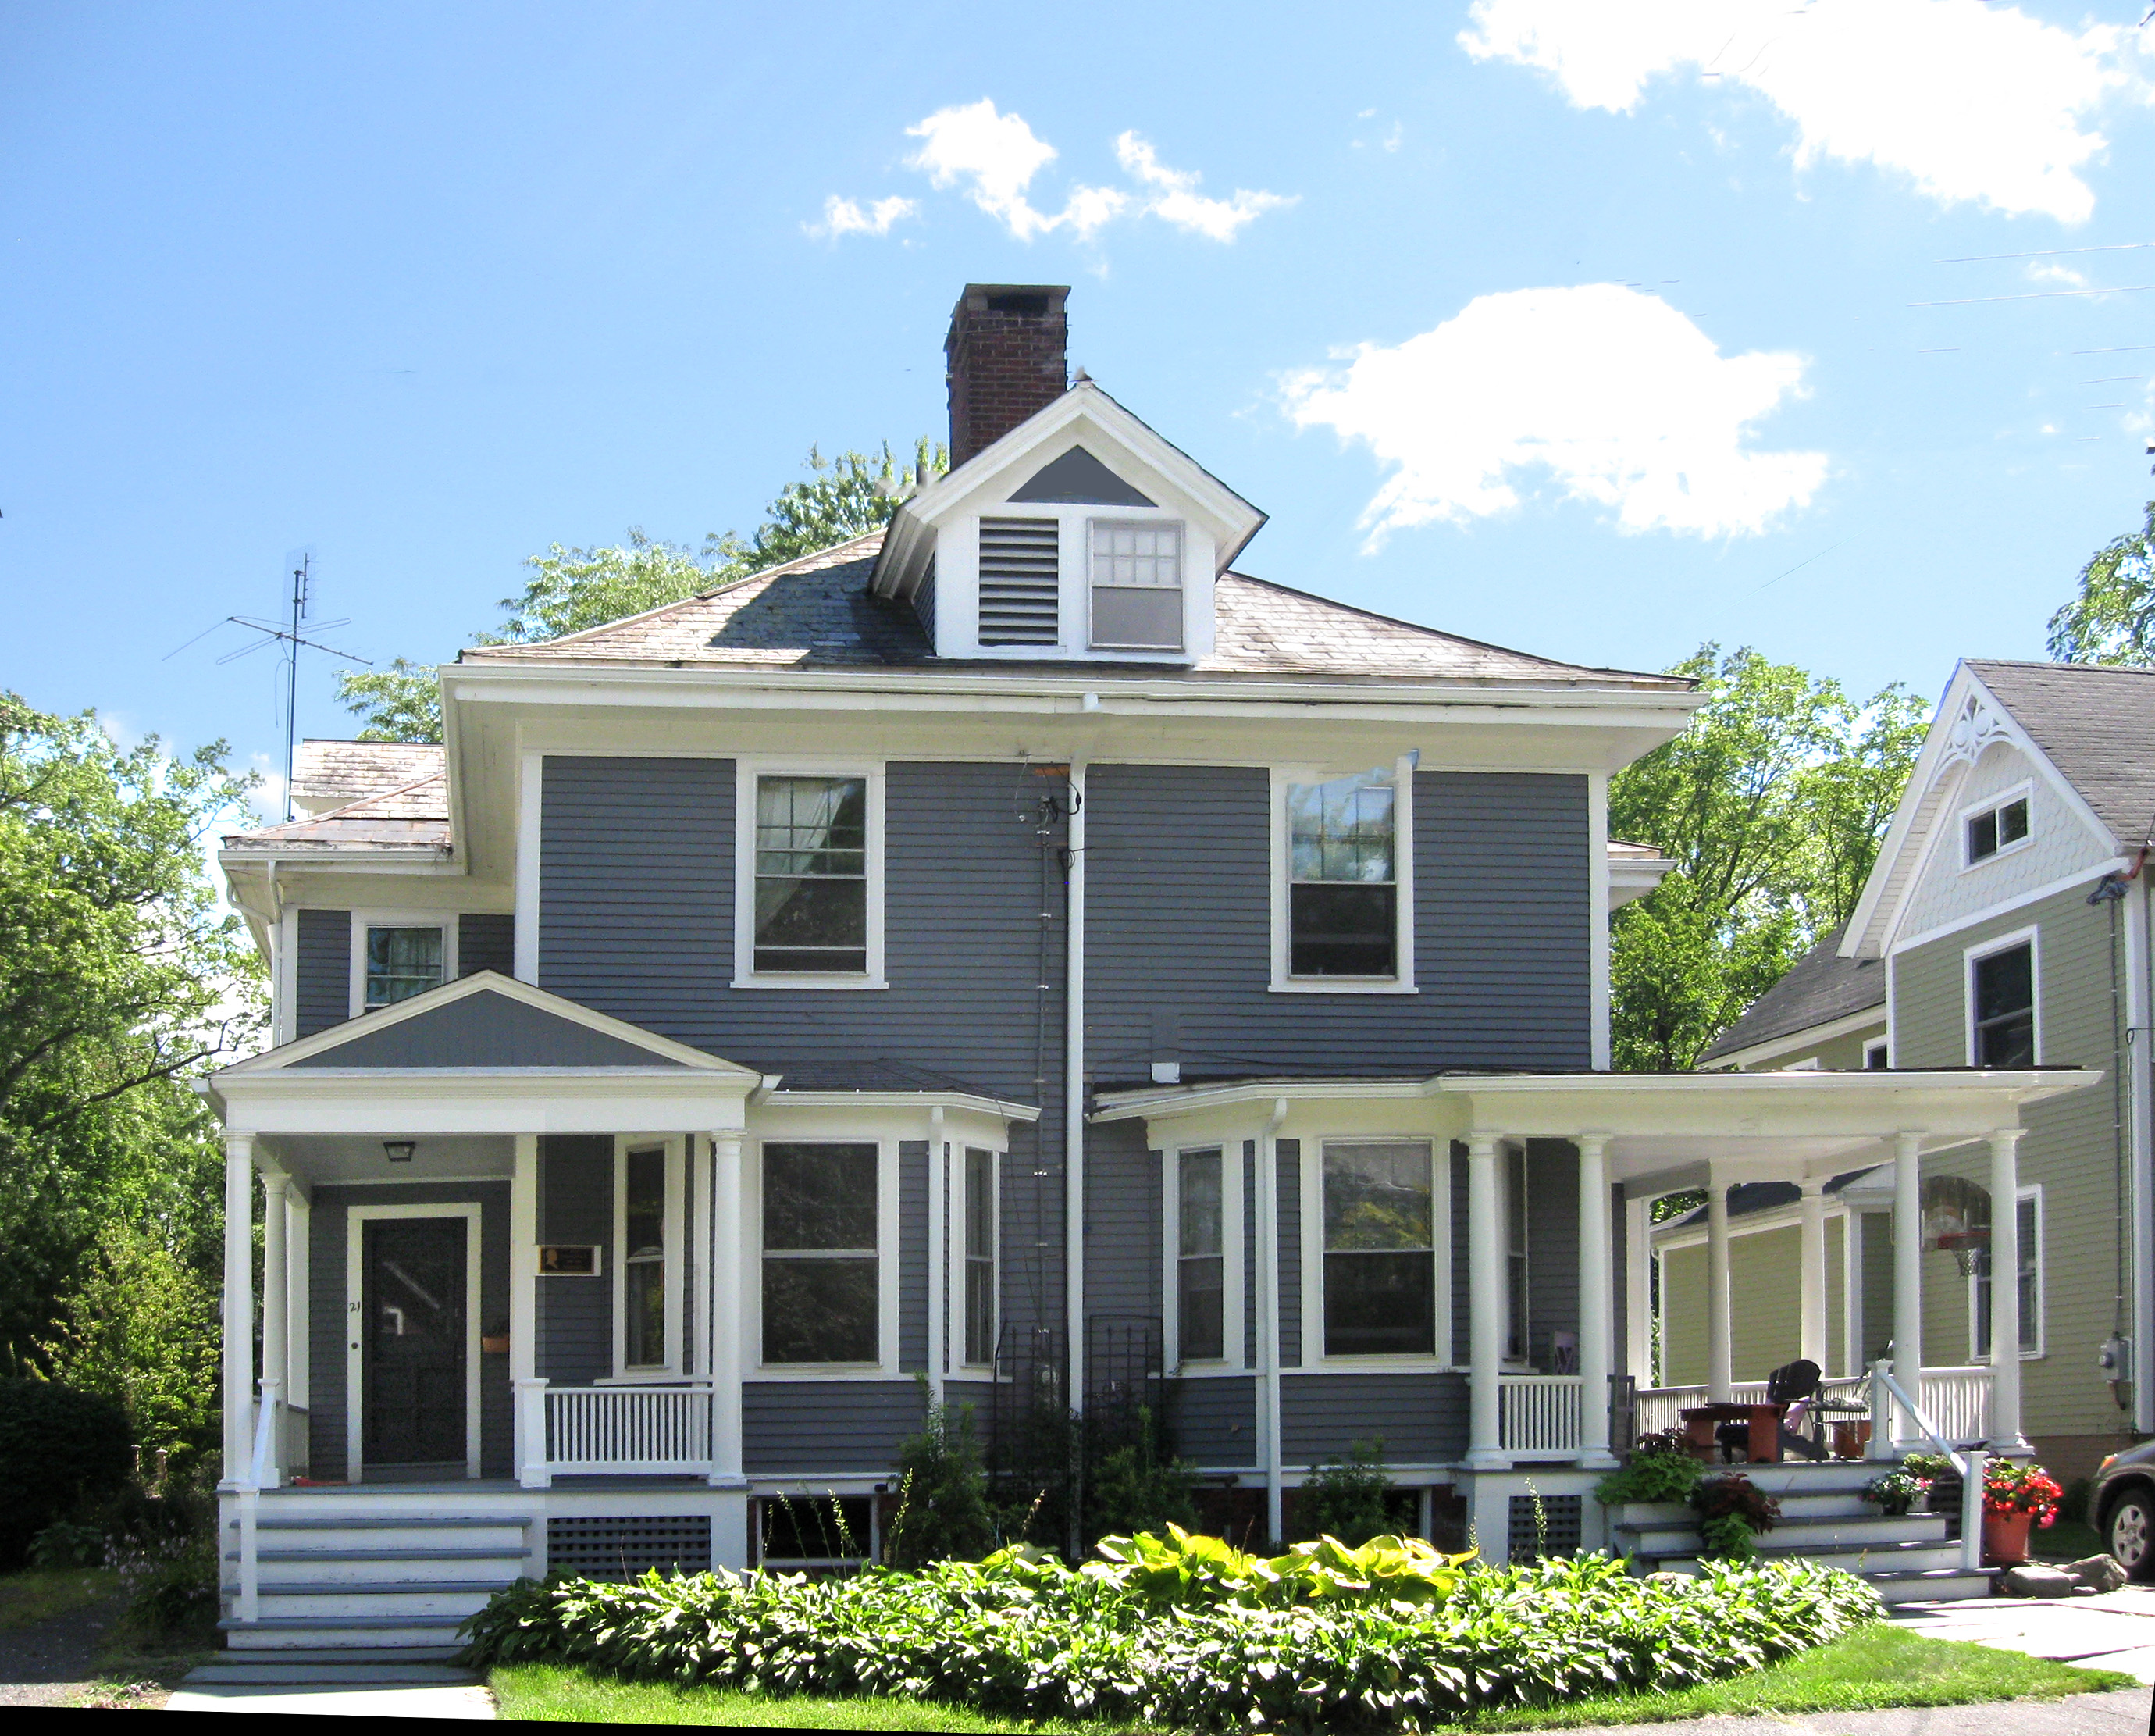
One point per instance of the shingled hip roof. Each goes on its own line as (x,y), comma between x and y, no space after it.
(1818,988)
(414,817)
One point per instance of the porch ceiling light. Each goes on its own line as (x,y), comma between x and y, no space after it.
(399,1151)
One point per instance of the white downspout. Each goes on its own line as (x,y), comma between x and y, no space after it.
(1267,1299)
(939,1257)
(1073,1098)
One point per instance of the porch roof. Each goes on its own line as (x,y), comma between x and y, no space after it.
(1668,1130)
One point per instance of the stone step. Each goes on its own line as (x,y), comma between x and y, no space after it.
(455,1598)
(1938,1586)
(1804,1535)
(1888,1559)
(505,1536)
(394,1671)
(282,1568)
(371,1633)
(368,1653)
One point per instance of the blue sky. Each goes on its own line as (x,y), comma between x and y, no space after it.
(1588,328)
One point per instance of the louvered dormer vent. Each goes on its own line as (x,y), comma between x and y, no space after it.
(1020,582)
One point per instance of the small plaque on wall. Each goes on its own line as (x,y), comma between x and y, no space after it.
(575,1259)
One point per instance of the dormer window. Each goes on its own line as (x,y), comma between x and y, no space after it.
(1136,584)
(1995,829)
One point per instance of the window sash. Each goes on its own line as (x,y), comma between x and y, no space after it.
(402,962)
(1997,828)
(2003,989)
(647,1243)
(1378,1235)
(811,892)
(1342,878)
(822,1269)
(2028,1216)
(1201,1256)
(979,1257)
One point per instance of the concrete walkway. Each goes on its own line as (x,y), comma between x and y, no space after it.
(2124,1713)
(334,1683)
(2114,1631)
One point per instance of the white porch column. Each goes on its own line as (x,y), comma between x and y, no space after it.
(1811,1336)
(529,1449)
(727,1259)
(1596,1345)
(1638,1291)
(2005,1436)
(238,1306)
(1485,1273)
(1907,1277)
(1720,1359)
(276,1303)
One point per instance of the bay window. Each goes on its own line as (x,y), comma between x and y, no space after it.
(979,1217)
(1200,1291)
(1380,1248)
(821,1266)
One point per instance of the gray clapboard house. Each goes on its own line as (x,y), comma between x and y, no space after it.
(1018,948)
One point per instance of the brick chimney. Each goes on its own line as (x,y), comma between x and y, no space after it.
(1006,360)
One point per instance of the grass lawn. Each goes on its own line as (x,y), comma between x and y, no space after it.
(2067,1541)
(1879,1666)
(38,1594)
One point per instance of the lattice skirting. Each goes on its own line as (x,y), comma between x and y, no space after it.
(620,1549)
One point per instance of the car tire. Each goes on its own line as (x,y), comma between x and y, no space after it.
(2128,1533)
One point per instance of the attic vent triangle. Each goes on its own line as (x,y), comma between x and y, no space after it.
(1077,478)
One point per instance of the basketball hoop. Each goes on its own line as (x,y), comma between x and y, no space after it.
(1957,1221)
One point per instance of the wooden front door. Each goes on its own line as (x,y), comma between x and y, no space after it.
(413,1359)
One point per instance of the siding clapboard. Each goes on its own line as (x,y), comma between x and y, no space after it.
(322,972)
(576,1204)
(1421,1419)
(845,1427)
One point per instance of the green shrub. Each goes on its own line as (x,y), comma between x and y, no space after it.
(1020,1635)
(1139,1487)
(58,1449)
(1188,1572)
(1345,1498)
(164,1546)
(66,1543)
(942,1494)
(1656,1472)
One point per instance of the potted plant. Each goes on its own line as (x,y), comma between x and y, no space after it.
(1896,1493)
(1734,1513)
(2014,1498)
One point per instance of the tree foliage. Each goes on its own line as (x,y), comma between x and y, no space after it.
(120,980)
(571,589)
(2112,620)
(1771,805)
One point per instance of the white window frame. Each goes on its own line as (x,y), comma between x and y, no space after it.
(1149,518)
(676,1246)
(1233,1257)
(886,1364)
(2023,791)
(1403,981)
(362,921)
(956,1247)
(746,771)
(1311,1180)
(1884,1048)
(2038,1345)
(1970,956)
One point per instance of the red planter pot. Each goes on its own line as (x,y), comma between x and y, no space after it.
(2006,1538)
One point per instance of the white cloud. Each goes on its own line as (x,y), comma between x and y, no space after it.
(993,156)
(2046,271)
(1620,399)
(844,217)
(1178,202)
(1976,102)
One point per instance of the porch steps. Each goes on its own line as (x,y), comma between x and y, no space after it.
(335,1586)
(1825,1519)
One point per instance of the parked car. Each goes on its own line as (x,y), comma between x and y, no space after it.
(2123,1504)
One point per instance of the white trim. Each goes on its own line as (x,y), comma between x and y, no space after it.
(747,769)
(1884,1046)
(1093,518)
(355,1217)
(378,917)
(531,795)
(2038,1347)
(1315,1359)
(955,1364)
(1597,917)
(2023,791)
(1402,981)
(1073,1087)
(885,1366)
(1970,956)
(1803,1036)
(673,1369)
(1234,1257)
(2086,876)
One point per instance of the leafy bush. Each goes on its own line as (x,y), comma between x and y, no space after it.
(66,1543)
(1020,1635)
(1344,1497)
(1658,1472)
(1733,1513)
(58,1448)
(942,1493)
(1139,1487)
(1187,1572)
(164,1546)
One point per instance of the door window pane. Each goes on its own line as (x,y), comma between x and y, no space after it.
(1201,1290)
(811,886)
(2030,1220)
(1342,894)
(821,1296)
(1380,1251)
(643,1259)
(2005,1008)
(401,963)
(980,1256)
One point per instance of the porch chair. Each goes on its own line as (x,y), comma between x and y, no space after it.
(1792,1391)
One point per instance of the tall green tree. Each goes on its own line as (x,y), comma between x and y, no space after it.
(120,980)
(571,589)
(1772,805)
(2111,616)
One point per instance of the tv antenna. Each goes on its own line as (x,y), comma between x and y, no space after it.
(288,633)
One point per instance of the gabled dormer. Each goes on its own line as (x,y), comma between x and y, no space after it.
(1066,529)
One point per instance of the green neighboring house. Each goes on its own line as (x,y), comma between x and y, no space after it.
(2005,924)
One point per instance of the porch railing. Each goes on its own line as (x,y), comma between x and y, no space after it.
(1958,1400)
(1539,1415)
(631,1430)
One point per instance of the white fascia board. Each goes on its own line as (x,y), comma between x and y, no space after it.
(373,859)
(779,1098)
(1160,1105)
(452,765)
(1633,877)
(661,1048)
(1857,940)
(396,1102)
(1826,1031)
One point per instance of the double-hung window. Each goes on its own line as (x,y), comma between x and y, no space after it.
(821,1266)
(1996,828)
(1517,1270)
(643,1259)
(1200,1285)
(811,875)
(1136,584)
(979,1217)
(2030,1222)
(1344,885)
(2002,994)
(1379,1249)
(401,961)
